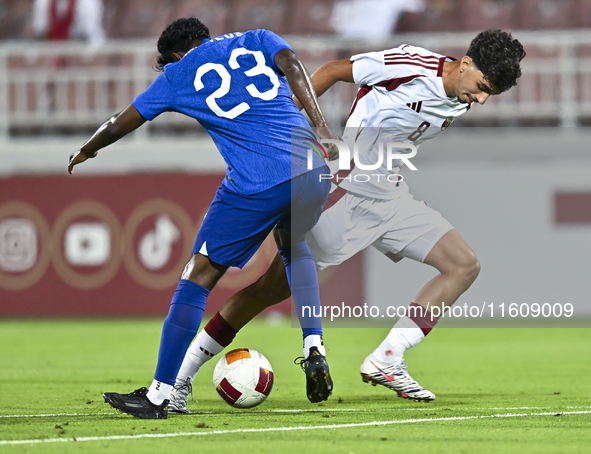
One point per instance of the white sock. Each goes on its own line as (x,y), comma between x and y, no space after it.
(203,348)
(404,335)
(159,392)
(313,340)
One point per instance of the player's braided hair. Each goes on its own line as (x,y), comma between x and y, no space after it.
(177,37)
(497,55)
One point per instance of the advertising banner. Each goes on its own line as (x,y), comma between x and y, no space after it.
(116,246)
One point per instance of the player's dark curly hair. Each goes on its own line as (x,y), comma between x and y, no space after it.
(497,55)
(177,37)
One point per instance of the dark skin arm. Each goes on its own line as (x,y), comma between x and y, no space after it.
(116,127)
(301,86)
(328,75)
(130,119)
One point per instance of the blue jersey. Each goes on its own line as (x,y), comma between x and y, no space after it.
(230,84)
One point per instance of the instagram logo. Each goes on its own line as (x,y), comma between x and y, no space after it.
(18,245)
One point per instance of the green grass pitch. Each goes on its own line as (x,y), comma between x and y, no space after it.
(498,390)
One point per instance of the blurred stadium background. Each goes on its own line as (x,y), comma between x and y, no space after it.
(513,176)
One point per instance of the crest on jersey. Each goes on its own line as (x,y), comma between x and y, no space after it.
(448,121)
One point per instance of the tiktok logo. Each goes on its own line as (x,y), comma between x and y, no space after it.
(155,248)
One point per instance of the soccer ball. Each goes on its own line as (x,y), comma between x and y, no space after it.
(243,378)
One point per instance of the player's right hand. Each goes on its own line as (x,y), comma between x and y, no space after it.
(76,158)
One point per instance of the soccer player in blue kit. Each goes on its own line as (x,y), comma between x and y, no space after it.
(238,87)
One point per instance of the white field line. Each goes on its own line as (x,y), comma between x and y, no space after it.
(287,429)
(291,410)
(53,415)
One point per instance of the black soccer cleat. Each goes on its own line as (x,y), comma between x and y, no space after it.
(318,381)
(137,404)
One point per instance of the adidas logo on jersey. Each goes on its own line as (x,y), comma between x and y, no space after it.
(416,106)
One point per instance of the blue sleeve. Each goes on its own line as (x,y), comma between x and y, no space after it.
(158,98)
(271,44)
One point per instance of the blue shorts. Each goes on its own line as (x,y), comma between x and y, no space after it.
(236,225)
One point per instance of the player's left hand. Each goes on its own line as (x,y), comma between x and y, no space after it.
(331,150)
(76,158)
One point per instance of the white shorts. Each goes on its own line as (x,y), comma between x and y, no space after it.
(401,227)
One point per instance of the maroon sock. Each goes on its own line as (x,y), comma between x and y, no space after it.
(422,317)
(220,330)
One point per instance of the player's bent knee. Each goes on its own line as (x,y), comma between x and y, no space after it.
(203,271)
(468,269)
(463,266)
(473,270)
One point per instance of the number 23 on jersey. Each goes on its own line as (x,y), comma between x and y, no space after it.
(260,68)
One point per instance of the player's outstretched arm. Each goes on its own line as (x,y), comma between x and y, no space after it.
(301,86)
(113,129)
(328,75)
